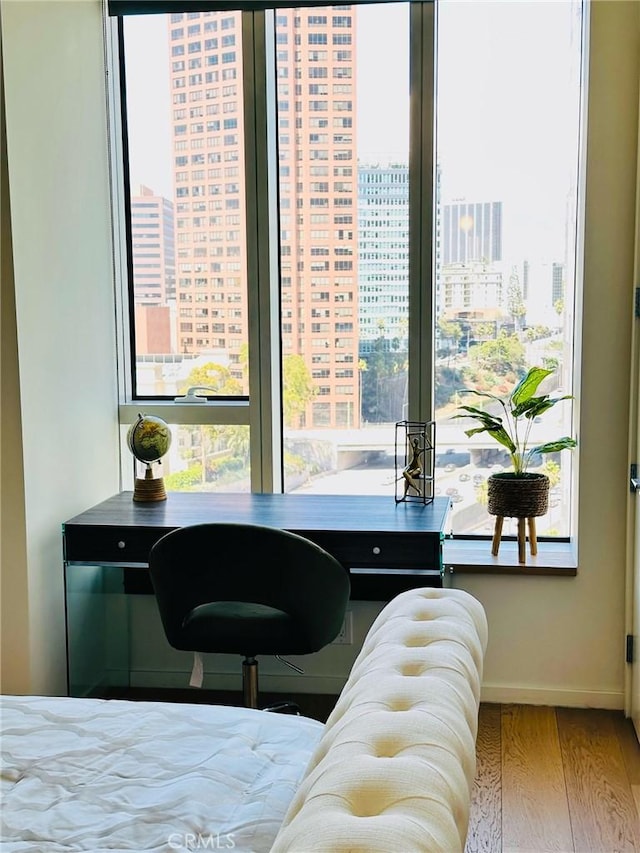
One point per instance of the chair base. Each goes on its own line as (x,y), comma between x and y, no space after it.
(250,690)
(250,682)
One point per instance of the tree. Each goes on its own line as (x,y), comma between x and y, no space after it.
(384,380)
(558,307)
(450,331)
(448,381)
(214,376)
(484,330)
(208,442)
(502,356)
(552,470)
(297,389)
(515,302)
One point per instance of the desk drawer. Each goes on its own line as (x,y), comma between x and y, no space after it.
(384,551)
(109,544)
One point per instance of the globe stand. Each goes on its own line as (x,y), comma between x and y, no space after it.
(150,488)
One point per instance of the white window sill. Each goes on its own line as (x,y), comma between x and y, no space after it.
(473,556)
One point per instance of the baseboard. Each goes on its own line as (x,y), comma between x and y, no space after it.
(503,694)
(305,683)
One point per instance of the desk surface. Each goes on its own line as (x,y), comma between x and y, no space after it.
(294,512)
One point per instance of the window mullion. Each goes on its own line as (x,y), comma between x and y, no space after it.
(422,188)
(262,259)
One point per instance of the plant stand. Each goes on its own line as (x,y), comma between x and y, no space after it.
(524,498)
(533,541)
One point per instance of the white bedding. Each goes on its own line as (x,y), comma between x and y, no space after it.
(104,775)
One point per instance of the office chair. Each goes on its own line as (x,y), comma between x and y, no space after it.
(247,589)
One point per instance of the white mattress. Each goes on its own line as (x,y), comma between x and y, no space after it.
(97,775)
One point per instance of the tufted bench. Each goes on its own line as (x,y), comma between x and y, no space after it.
(394,768)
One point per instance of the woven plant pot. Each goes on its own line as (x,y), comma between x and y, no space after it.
(524,496)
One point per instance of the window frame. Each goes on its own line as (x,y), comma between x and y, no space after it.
(261,410)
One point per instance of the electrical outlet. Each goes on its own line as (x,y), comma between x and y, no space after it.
(345,635)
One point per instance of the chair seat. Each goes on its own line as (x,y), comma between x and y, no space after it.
(233,626)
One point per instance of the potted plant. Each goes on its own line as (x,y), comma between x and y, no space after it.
(518,493)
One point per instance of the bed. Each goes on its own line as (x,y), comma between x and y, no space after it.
(392,768)
(94,775)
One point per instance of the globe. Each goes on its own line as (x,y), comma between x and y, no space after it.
(149,438)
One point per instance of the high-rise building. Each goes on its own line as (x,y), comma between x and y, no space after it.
(541,284)
(383,255)
(153,257)
(472,232)
(208,174)
(316,98)
(317,194)
(557,282)
(153,248)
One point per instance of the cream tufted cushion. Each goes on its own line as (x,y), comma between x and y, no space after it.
(394,768)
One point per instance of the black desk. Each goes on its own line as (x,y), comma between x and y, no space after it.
(386,547)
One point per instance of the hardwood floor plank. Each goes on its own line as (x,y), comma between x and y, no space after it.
(630,747)
(603,811)
(485,818)
(535,811)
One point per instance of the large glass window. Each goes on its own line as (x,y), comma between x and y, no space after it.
(420,161)
(344,251)
(508,102)
(186,190)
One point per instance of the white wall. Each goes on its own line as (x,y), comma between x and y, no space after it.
(552,640)
(562,640)
(14,590)
(62,376)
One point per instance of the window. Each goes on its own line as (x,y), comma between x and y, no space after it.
(494,256)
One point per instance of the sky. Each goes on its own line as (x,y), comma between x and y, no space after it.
(506,119)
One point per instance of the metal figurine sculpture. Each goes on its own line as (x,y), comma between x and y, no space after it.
(412,473)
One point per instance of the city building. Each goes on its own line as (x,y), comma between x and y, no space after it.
(317,196)
(153,248)
(383,255)
(542,289)
(471,231)
(474,294)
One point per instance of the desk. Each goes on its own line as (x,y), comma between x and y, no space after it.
(386,547)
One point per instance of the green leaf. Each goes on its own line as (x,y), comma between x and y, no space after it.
(543,404)
(526,408)
(503,437)
(564,443)
(495,431)
(528,385)
(477,413)
(475,431)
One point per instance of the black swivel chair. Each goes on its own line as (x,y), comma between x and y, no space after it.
(247,589)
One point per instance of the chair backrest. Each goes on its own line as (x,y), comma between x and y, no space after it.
(203,563)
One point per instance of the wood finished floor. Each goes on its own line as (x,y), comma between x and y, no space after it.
(555,779)
(547,779)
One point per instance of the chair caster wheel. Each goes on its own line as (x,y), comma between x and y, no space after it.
(283,708)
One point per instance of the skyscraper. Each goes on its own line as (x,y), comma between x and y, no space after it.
(317,194)
(472,232)
(383,255)
(153,258)
(153,248)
